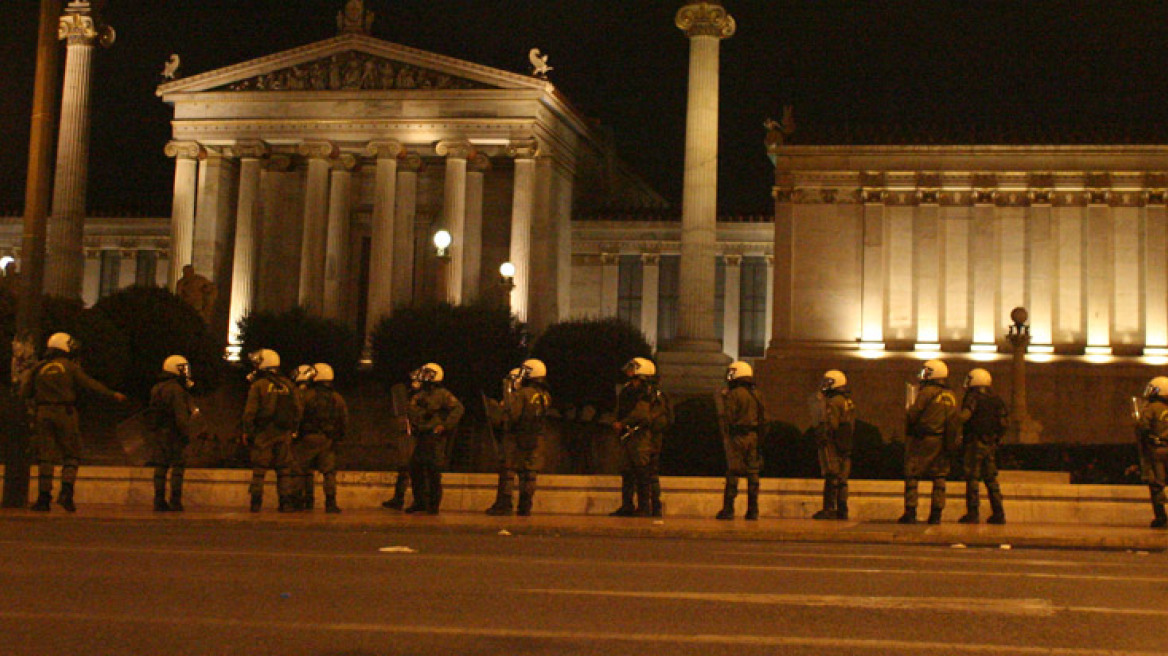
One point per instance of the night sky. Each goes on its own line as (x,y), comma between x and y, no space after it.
(970,71)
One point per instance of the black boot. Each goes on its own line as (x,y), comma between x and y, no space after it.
(999,513)
(502,505)
(257,502)
(934,515)
(1161,520)
(176,490)
(644,503)
(330,504)
(972,503)
(434,500)
(655,497)
(841,501)
(829,502)
(44,499)
(525,499)
(729,493)
(160,504)
(399,493)
(626,508)
(752,501)
(65,498)
(909,516)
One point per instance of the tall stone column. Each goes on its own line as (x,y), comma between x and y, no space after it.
(128,268)
(336,255)
(214,217)
(650,295)
(454,213)
(1156,275)
(609,283)
(477,166)
(186,156)
(732,307)
(872,293)
(770,308)
(406,275)
(522,205)
(243,268)
(81,30)
(316,204)
(381,248)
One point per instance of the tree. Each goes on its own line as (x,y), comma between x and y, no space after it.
(303,338)
(584,358)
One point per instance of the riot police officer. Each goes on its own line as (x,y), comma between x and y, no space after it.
(51,389)
(1152,432)
(929,436)
(270,418)
(172,410)
(833,437)
(523,412)
(743,419)
(642,416)
(322,430)
(983,418)
(434,413)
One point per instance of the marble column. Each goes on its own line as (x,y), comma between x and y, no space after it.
(91,276)
(316,205)
(1156,275)
(872,287)
(186,156)
(1127,316)
(214,218)
(927,273)
(381,248)
(899,323)
(454,213)
(705,24)
(244,261)
(472,273)
(609,283)
(982,247)
(650,295)
(770,308)
(1100,274)
(81,30)
(1067,219)
(405,273)
(732,315)
(1012,261)
(956,330)
(522,209)
(128,268)
(1040,249)
(336,255)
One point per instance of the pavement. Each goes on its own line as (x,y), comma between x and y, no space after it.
(948,534)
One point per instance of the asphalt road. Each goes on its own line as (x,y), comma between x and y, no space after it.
(78,586)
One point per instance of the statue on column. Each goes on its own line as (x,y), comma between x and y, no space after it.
(198,292)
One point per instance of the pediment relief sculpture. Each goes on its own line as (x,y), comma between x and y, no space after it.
(352,71)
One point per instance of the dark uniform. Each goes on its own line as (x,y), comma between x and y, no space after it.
(983,419)
(51,390)
(833,438)
(434,413)
(322,429)
(643,415)
(925,451)
(270,417)
(171,410)
(744,416)
(1153,445)
(524,415)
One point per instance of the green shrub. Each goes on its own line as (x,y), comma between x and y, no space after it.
(303,338)
(584,359)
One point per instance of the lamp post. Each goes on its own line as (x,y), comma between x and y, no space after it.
(1023,429)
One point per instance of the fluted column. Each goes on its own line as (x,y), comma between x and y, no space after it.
(381,247)
(609,283)
(81,30)
(477,166)
(336,255)
(405,272)
(732,308)
(315,223)
(522,204)
(706,24)
(454,213)
(243,267)
(650,295)
(186,156)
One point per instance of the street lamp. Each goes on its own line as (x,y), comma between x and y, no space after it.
(1024,429)
(442,241)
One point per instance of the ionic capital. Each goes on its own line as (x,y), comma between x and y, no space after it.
(456,149)
(524,149)
(386,149)
(478,163)
(278,163)
(650,259)
(250,149)
(185,150)
(732,259)
(610,259)
(78,26)
(409,162)
(345,162)
(705,19)
(318,149)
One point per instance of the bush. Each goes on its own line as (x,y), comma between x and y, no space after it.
(476,345)
(303,338)
(156,324)
(584,359)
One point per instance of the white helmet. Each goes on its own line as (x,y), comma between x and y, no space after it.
(978,378)
(305,373)
(62,342)
(428,373)
(177,365)
(934,370)
(1158,386)
(738,370)
(265,359)
(533,368)
(640,367)
(833,380)
(324,372)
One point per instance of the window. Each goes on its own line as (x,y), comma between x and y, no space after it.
(111,269)
(752,339)
(146,275)
(628,298)
(669,270)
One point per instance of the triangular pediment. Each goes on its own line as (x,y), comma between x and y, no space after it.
(352,62)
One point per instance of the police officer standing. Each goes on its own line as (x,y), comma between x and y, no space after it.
(833,437)
(524,414)
(322,429)
(743,417)
(641,411)
(270,418)
(1152,432)
(172,410)
(983,418)
(929,434)
(434,413)
(51,388)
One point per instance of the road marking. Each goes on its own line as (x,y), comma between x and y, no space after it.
(1002,560)
(186,621)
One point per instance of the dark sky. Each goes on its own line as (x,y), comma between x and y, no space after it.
(981,68)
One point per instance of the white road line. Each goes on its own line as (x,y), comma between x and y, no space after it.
(186,621)
(1003,559)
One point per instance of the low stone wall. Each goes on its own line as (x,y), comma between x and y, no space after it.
(1030,497)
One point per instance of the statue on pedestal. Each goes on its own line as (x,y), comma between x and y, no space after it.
(354,18)
(198,292)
